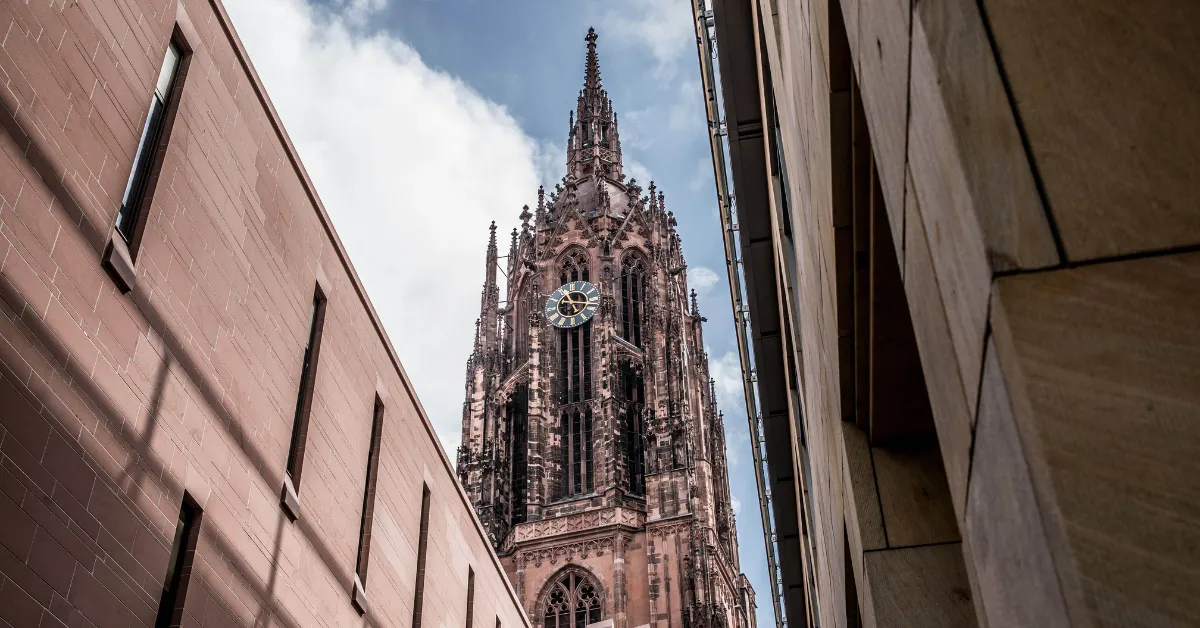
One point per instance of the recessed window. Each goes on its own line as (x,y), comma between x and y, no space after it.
(304,396)
(470,596)
(179,570)
(517,409)
(422,549)
(368,511)
(633,290)
(148,159)
(577,470)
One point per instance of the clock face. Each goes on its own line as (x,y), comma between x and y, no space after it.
(572,304)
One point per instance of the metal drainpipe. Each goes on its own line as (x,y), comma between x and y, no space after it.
(703,20)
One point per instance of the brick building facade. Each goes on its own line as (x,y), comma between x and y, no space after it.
(968,235)
(201,418)
(593,449)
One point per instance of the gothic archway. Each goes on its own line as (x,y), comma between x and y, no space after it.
(572,598)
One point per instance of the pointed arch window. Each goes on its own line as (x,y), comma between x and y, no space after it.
(572,602)
(633,293)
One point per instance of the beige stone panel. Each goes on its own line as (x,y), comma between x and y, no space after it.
(952,413)
(818,20)
(1102,365)
(850,14)
(973,580)
(914,496)
(920,586)
(864,519)
(883,81)
(1014,573)
(1107,92)
(962,94)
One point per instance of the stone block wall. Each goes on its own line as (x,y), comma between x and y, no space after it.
(1034,167)
(115,404)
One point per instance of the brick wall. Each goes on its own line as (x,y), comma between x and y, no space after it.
(113,405)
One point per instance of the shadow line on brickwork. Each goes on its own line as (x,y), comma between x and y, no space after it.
(134,474)
(260,619)
(140,448)
(39,159)
(36,155)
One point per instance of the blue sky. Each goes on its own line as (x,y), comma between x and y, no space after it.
(420,121)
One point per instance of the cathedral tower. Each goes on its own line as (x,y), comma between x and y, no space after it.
(592,447)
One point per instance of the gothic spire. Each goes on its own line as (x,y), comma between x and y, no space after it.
(593,146)
(540,216)
(491,292)
(591,75)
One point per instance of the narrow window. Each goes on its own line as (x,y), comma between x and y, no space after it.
(179,570)
(633,391)
(577,452)
(470,596)
(586,437)
(576,456)
(563,365)
(147,160)
(518,413)
(368,510)
(633,285)
(565,431)
(422,547)
(308,374)
(586,332)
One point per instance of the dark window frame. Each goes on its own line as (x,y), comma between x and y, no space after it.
(131,218)
(305,392)
(518,414)
(470,596)
(422,551)
(179,569)
(366,523)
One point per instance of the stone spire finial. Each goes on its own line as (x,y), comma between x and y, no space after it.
(490,301)
(525,216)
(695,304)
(593,146)
(591,75)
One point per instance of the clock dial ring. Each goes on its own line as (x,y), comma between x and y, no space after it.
(572,304)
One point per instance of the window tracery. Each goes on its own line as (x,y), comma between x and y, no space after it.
(574,601)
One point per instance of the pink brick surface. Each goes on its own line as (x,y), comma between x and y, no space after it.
(112,405)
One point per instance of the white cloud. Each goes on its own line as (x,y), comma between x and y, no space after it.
(672,117)
(726,371)
(551,164)
(634,169)
(664,27)
(411,164)
(737,505)
(702,279)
